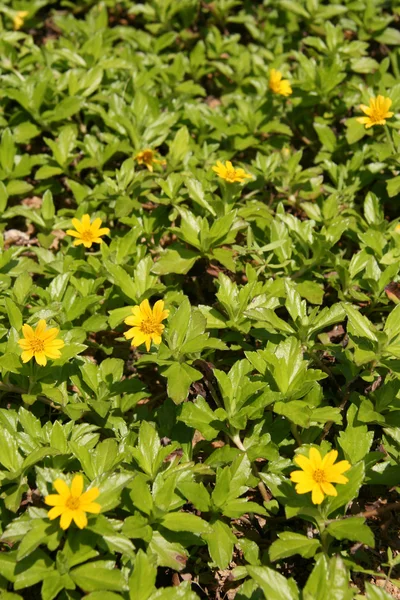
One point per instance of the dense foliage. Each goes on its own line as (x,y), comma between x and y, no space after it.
(277,281)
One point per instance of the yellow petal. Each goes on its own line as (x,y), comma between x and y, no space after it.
(96,224)
(62,488)
(77,485)
(329,459)
(89,496)
(55,512)
(304,463)
(28,332)
(78,225)
(41,359)
(73,233)
(146,309)
(93,507)
(86,221)
(80,518)
(26,356)
(40,328)
(66,519)
(317,495)
(158,309)
(315,458)
(54,500)
(328,489)
(305,487)
(134,321)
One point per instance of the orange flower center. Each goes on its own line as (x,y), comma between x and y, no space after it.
(37,345)
(230,174)
(73,503)
(319,475)
(147,156)
(150,325)
(87,235)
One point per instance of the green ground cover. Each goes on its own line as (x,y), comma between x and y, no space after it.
(199,300)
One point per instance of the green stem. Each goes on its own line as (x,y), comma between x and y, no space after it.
(295,431)
(389,139)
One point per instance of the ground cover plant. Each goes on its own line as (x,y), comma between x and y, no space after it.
(199,299)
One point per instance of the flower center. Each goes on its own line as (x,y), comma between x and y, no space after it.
(87,235)
(37,345)
(231,174)
(150,326)
(72,503)
(319,475)
(148,156)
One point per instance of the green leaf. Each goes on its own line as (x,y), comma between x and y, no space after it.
(291,543)
(376,593)
(180,377)
(185,522)
(274,585)
(143,579)
(175,260)
(329,579)
(353,529)
(168,554)
(99,575)
(200,416)
(220,543)
(14,314)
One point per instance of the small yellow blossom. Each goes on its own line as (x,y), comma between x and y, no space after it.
(71,503)
(148,157)
(397,228)
(40,343)
(87,232)
(19,19)
(279,85)
(377,112)
(146,324)
(318,474)
(229,173)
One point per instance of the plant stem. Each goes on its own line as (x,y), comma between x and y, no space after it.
(295,431)
(389,139)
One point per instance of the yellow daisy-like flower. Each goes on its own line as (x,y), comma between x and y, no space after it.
(146,322)
(19,19)
(148,157)
(86,232)
(318,474)
(377,112)
(229,173)
(279,85)
(71,503)
(40,343)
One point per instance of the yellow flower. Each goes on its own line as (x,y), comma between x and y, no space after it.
(19,19)
(71,503)
(148,157)
(87,232)
(229,173)
(146,321)
(279,85)
(377,111)
(318,474)
(40,343)
(397,228)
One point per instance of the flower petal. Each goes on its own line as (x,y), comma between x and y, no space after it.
(93,507)
(62,488)
(26,355)
(317,495)
(304,463)
(328,489)
(80,518)
(54,500)
(66,519)
(89,495)
(55,512)
(78,225)
(77,485)
(28,332)
(315,458)
(41,359)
